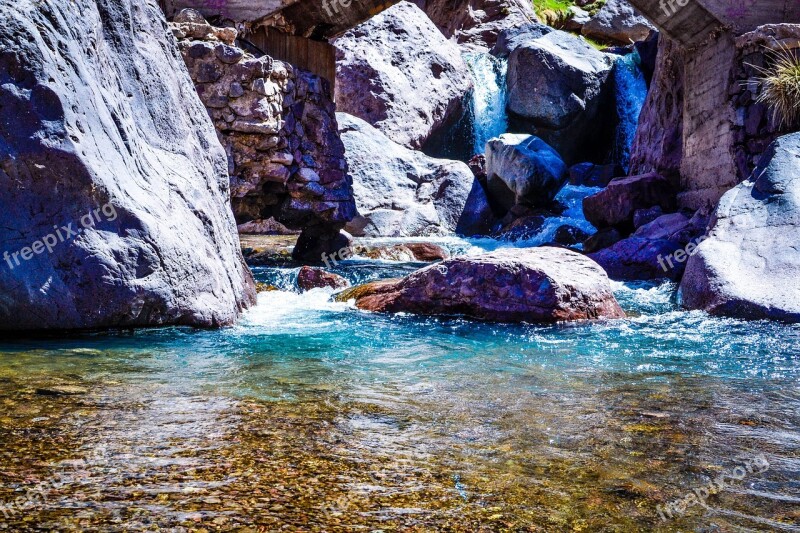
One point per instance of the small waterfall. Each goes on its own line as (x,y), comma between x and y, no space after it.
(488,97)
(631,91)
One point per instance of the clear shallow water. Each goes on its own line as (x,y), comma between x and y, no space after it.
(311,415)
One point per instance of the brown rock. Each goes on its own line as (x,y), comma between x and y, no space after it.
(511,285)
(314,278)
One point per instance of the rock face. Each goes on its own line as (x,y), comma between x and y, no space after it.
(658,144)
(477,22)
(618,22)
(401,192)
(749,265)
(315,278)
(512,285)
(618,202)
(558,89)
(102,134)
(278,126)
(523,169)
(400,74)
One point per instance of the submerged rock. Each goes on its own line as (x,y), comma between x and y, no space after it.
(102,132)
(399,73)
(512,285)
(749,265)
(401,192)
(523,169)
(315,278)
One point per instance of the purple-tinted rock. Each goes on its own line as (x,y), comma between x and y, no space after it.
(101,131)
(616,204)
(513,285)
(315,278)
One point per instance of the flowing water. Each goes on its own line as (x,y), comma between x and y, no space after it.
(311,415)
(488,97)
(631,91)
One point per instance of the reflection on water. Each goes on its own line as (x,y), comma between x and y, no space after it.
(312,415)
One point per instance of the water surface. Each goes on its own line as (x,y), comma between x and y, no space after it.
(311,415)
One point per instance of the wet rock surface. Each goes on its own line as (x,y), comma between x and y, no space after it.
(98,117)
(523,169)
(519,285)
(315,278)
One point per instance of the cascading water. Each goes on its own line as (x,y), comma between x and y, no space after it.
(489,97)
(631,91)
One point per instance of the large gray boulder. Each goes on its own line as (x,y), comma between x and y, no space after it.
(749,265)
(559,88)
(114,188)
(401,192)
(399,73)
(510,285)
(618,22)
(523,169)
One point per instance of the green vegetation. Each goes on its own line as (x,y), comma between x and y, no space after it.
(556,13)
(781,87)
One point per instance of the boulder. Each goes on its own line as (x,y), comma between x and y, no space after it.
(618,22)
(749,265)
(510,285)
(115,190)
(512,38)
(315,278)
(477,22)
(523,169)
(560,89)
(569,235)
(652,252)
(399,73)
(401,192)
(616,204)
(635,258)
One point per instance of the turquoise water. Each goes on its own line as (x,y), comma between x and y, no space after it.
(312,415)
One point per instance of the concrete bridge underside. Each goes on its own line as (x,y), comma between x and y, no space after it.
(690,22)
